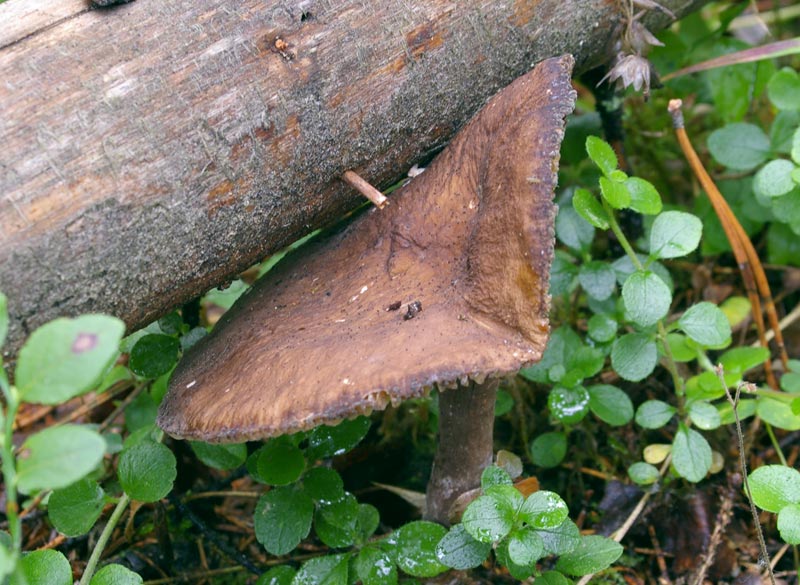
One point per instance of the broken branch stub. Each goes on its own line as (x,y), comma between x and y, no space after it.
(471,239)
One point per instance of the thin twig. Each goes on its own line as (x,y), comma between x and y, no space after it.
(367,190)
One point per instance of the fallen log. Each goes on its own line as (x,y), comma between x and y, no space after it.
(153,149)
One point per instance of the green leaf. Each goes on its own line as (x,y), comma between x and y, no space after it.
(280,575)
(789,523)
(367,522)
(674,234)
(280,462)
(615,193)
(691,454)
(323,484)
(610,404)
(739,146)
(458,550)
(778,414)
(643,473)
(67,357)
(795,153)
(336,522)
(634,356)
(601,154)
(774,179)
(327,570)
(704,415)
(116,575)
(227,456)
(783,245)
(646,297)
(562,539)
(706,324)
(594,554)
(568,405)
(525,546)
(282,519)
(774,486)
(8,560)
(141,413)
(563,343)
(680,348)
(781,131)
(416,548)
(590,209)
(3,318)
(745,409)
(562,273)
(644,196)
(598,279)
(518,572)
(573,230)
(494,475)
(327,441)
(624,267)
(43,566)
(740,359)
(654,414)
(582,363)
(503,403)
(602,328)
(544,509)
(147,471)
(374,567)
(549,449)
(489,517)
(58,456)
(552,578)
(73,510)
(784,89)
(154,355)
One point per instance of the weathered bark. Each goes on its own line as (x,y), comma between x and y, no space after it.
(152,150)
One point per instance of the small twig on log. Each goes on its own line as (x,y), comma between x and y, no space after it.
(378,199)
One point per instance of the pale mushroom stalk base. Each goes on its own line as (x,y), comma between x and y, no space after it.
(466,425)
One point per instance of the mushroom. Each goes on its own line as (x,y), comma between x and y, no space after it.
(468,244)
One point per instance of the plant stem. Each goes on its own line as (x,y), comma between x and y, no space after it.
(623,241)
(774,440)
(97,552)
(9,466)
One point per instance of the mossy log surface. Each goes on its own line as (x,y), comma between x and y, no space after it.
(152,150)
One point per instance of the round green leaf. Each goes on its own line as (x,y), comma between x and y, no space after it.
(367,522)
(518,572)
(416,548)
(674,234)
(643,473)
(73,510)
(598,279)
(644,197)
(634,356)
(624,267)
(783,89)
(544,509)
(561,539)
(582,363)
(778,414)
(646,297)
(741,359)
(280,462)
(774,486)
(43,566)
(227,456)
(789,523)
(336,523)
(594,554)
(147,471)
(552,578)
(328,441)
(458,550)
(549,449)
(153,355)
(58,456)
(489,518)
(615,193)
(601,154)
(706,324)
(280,575)
(116,575)
(494,475)
(691,454)
(602,328)
(327,570)
(525,547)
(739,146)
(573,230)
(774,179)
(374,567)
(562,274)
(282,519)
(568,405)
(679,348)
(590,209)
(704,415)
(610,404)
(654,414)
(67,357)
(323,485)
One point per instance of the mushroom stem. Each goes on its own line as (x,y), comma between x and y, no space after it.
(362,186)
(466,425)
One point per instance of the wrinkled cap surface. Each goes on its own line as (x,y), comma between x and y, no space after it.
(470,239)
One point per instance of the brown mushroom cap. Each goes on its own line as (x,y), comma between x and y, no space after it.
(471,239)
